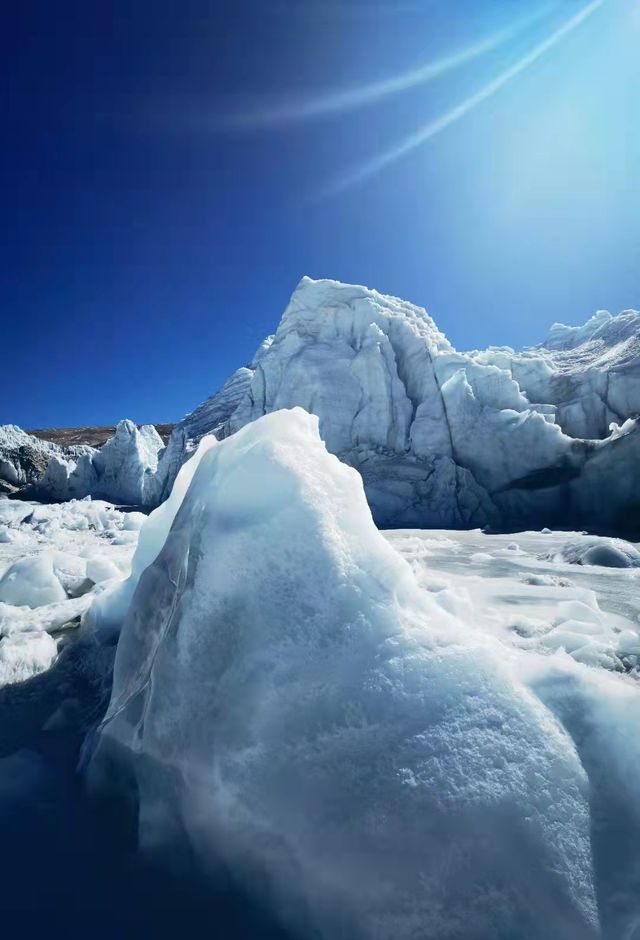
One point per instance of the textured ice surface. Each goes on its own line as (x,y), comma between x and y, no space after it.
(572,633)
(498,438)
(124,470)
(25,654)
(383,753)
(54,561)
(607,553)
(24,458)
(442,438)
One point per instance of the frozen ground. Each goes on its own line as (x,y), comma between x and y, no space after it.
(522,589)
(54,559)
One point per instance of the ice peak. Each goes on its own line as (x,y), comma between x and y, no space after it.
(602,325)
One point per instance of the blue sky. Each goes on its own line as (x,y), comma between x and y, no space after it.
(173,168)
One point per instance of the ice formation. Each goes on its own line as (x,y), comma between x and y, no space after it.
(543,437)
(546,436)
(25,654)
(209,417)
(24,458)
(290,701)
(108,611)
(124,470)
(54,562)
(608,553)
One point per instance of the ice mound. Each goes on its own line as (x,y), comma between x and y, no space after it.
(31,582)
(608,553)
(288,702)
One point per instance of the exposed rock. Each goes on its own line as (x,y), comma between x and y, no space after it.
(24,458)
(92,436)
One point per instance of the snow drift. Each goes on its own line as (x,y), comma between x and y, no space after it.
(288,702)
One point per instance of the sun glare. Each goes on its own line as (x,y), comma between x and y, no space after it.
(431,129)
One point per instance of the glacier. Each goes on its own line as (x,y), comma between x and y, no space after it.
(55,560)
(545,437)
(297,703)
(125,470)
(24,458)
(499,439)
(357,733)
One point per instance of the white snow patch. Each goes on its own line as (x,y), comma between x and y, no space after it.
(24,655)
(56,560)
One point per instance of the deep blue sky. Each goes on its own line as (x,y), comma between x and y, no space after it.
(150,242)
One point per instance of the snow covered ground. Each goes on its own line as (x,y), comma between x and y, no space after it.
(528,589)
(522,589)
(54,560)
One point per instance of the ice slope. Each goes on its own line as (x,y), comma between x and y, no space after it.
(569,623)
(106,614)
(290,703)
(209,417)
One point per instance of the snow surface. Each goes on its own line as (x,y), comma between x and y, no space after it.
(54,560)
(445,744)
(24,458)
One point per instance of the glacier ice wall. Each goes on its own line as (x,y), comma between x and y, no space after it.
(543,437)
(288,703)
(24,458)
(125,470)
(455,439)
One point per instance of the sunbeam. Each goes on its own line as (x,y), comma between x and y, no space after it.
(351,98)
(428,131)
